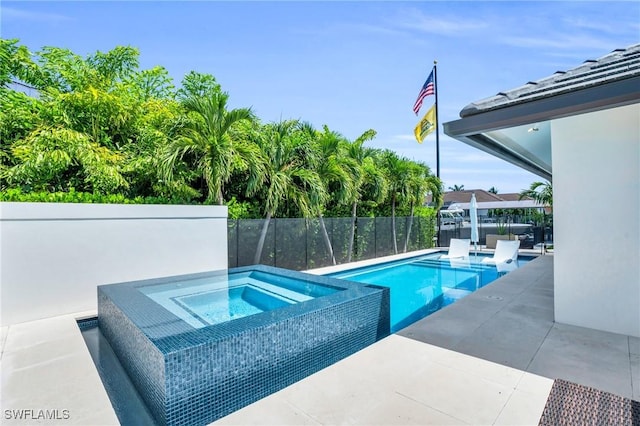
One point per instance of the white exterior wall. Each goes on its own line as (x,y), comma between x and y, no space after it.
(596,207)
(52,256)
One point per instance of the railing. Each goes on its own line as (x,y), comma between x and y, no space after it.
(300,244)
(530,235)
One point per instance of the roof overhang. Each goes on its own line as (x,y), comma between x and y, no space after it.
(479,129)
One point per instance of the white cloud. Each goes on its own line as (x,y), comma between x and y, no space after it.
(479,157)
(377,29)
(566,35)
(415,19)
(478,171)
(620,26)
(568,42)
(404,137)
(506,180)
(10,13)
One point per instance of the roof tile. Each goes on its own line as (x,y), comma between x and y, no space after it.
(618,65)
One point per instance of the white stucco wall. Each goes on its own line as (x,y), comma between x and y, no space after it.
(596,206)
(52,256)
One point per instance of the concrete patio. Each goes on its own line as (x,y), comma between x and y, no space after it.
(490,358)
(400,381)
(511,322)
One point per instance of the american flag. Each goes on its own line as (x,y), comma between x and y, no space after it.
(427,89)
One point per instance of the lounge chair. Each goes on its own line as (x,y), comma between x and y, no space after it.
(506,255)
(458,249)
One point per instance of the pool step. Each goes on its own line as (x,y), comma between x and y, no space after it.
(292,295)
(446,264)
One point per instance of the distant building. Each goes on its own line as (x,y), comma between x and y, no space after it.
(486,201)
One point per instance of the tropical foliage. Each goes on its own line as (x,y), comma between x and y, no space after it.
(100,129)
(542,192)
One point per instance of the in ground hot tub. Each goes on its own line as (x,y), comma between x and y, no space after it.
(201,346)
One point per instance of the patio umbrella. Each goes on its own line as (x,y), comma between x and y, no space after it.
(473,216)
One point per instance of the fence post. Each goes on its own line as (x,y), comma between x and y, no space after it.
(355,241)
(332,239)
(237,241)
(275,242)
(375,237)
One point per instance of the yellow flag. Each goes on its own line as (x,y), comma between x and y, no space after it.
(426,125)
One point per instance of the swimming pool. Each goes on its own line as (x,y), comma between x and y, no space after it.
(200,346)
(224,297)
(425,284)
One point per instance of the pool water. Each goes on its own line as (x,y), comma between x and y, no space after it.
(218,299)
(214,307)
(425,284)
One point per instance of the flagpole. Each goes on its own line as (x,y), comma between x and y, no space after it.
(435,87)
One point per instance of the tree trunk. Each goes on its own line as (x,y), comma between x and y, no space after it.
(263,236)
(327,241)
(406,241)
(353,230)
(393,224)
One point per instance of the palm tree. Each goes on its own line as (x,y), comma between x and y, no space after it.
(206,139)
(420,182)
(332,167)
(493,190)
(285,178)
(398,175)
(456,188)
(365,175)
(542,192)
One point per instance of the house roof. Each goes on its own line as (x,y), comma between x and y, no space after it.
(515,124)
(465,196)
(513,197)
(482,196)
(618,65)
(486,200)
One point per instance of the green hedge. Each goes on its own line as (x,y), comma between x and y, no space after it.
(237,210)
(16,195)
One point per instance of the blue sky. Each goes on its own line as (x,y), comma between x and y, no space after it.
(349,65)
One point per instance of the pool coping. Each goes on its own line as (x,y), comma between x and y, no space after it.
(40,358)
(147,315)
(370,262)
(402,256)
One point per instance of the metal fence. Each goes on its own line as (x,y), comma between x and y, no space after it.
(299,244)
(530,234)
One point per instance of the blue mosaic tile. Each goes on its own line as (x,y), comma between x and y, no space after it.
(190,376)
(87,323)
